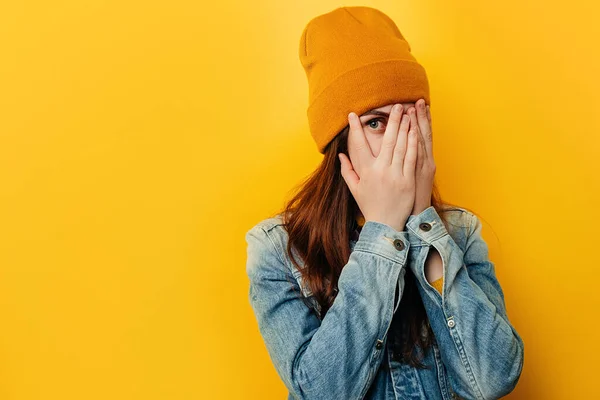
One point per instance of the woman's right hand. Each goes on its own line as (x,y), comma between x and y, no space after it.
(385,190)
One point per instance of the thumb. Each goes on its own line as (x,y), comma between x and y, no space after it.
(348,172)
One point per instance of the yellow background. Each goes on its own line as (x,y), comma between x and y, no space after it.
(140,140)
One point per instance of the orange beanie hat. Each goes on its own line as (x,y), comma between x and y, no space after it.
(356,59)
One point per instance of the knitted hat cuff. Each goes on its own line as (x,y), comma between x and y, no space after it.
(361,89)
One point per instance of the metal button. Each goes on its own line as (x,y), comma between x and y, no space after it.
(451,323)
(399,244)
(379,344)
(425,226)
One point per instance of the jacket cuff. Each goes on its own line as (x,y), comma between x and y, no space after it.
(427,225)
(381,239)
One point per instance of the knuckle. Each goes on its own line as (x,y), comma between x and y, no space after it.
(388,144)
(398,151)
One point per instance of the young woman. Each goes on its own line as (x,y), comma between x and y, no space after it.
(367,285)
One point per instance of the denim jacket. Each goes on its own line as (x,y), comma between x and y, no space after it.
(476,352)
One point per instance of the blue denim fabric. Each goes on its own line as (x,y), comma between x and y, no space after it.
(476,354)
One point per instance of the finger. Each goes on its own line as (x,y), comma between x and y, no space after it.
(400,149)
(430,141)
(411,154)
(421,149)
(348,172)
(424,126)
(390,137)
(422,115)
(358,142)
(417,121)
(428,115)
(420,153)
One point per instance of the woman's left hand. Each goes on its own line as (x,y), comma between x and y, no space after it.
(425,168)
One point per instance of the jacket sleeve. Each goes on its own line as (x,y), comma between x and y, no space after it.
(336,357)
(481,350)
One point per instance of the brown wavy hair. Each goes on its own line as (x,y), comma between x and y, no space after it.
(319,217)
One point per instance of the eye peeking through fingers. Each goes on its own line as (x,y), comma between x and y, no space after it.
(375,124)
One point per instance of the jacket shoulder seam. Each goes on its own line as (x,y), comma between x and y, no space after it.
(273,244)
(270,223)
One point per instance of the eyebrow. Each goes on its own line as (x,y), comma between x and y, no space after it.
(375,112)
